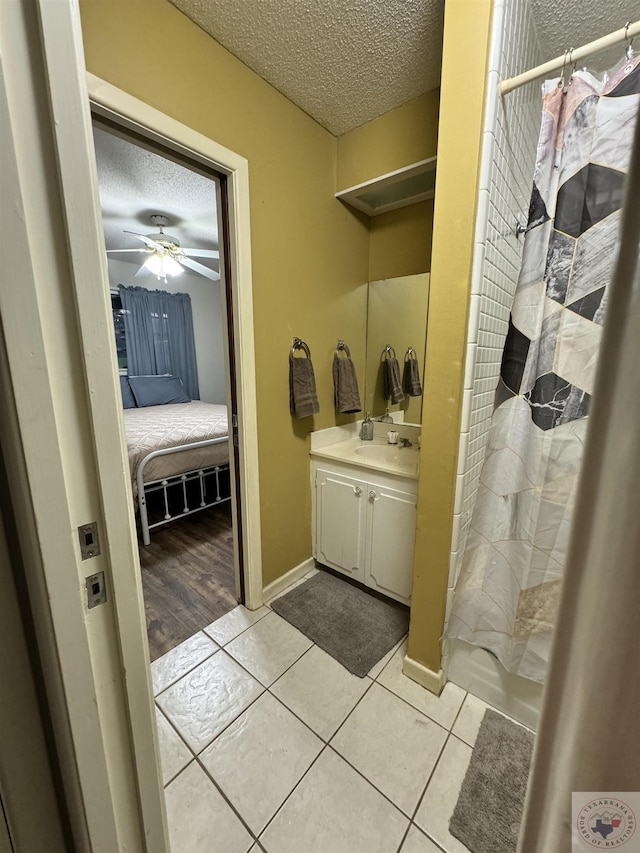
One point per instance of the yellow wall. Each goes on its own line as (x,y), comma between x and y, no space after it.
(466,34)
(398,138)
(400,240)
(310,254)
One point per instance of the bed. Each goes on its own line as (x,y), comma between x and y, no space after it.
(177,447)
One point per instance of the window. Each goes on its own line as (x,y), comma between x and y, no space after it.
(118,313)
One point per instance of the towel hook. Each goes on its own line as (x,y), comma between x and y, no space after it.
(298,343)
(342,346)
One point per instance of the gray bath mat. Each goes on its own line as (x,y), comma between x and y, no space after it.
(489,809)
(354,627)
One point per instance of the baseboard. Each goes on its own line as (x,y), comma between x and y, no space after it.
(280,584)
(418,672)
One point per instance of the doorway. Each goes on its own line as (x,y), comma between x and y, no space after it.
(165,225)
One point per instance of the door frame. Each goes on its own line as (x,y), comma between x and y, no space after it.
(130,112)
(166,136)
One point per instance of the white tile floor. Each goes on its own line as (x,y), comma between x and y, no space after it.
(268,744)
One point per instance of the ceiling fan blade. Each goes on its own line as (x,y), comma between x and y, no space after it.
(143,271)
(200,268)
(114,251)
(201,253)
(151,243)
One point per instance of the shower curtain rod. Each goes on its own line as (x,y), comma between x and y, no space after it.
(624,34)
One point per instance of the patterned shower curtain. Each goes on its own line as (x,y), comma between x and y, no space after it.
(507,593)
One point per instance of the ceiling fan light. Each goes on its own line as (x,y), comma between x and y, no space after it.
(163,265)
(171,266)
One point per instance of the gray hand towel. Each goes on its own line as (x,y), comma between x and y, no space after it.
(303,400)
(392,384)
(411,376)
(345,385)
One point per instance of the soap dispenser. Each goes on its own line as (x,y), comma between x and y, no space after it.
(366,430)
(386,418)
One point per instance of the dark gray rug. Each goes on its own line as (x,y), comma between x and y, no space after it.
(489,809)
(354,627)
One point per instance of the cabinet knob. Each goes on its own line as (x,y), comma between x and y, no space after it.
(358,491)
(372,495)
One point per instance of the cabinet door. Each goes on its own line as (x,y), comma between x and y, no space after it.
(390,539)
(340,522)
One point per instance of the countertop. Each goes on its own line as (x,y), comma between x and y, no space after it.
(392,459)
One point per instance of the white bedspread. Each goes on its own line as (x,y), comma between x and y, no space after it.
(157,427)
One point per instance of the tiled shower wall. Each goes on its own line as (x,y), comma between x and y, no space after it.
(509,145)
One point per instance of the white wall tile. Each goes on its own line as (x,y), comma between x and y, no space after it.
(453,562)
(474,317)
(470,366)
(465,420)
(450,593)
(506,174)
(477,270)
(455,533)
(462,452)
(459,496)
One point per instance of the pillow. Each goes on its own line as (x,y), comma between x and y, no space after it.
(128,400)
(158,390)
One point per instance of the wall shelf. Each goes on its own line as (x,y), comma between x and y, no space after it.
(394,190)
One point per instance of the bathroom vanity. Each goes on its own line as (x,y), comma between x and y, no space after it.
(364,508)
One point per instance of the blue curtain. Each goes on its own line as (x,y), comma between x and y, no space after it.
(159,334)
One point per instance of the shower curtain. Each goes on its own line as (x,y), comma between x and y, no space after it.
(507,593)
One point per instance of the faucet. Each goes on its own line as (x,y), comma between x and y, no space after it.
(405,442)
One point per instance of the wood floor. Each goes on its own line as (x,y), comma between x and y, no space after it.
(187,577)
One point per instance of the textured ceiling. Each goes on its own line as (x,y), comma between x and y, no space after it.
(344,63)
(368,57)
(135,182)
(562,25)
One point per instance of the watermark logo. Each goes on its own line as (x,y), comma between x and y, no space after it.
(604,821)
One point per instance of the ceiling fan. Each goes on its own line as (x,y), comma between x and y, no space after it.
(166,256)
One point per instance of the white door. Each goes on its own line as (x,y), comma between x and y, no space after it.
(340,519)
(390,540)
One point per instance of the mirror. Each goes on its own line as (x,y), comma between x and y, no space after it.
(396,317)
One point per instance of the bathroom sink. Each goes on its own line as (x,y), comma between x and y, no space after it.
(393,455)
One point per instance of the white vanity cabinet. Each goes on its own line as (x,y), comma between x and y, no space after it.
(364,525)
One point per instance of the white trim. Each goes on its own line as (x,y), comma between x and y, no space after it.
(174,134)
(421,674)
(78,178)
(279,585)
(33,263)
(356,195)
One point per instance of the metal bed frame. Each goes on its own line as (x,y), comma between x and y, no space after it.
(145,489)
